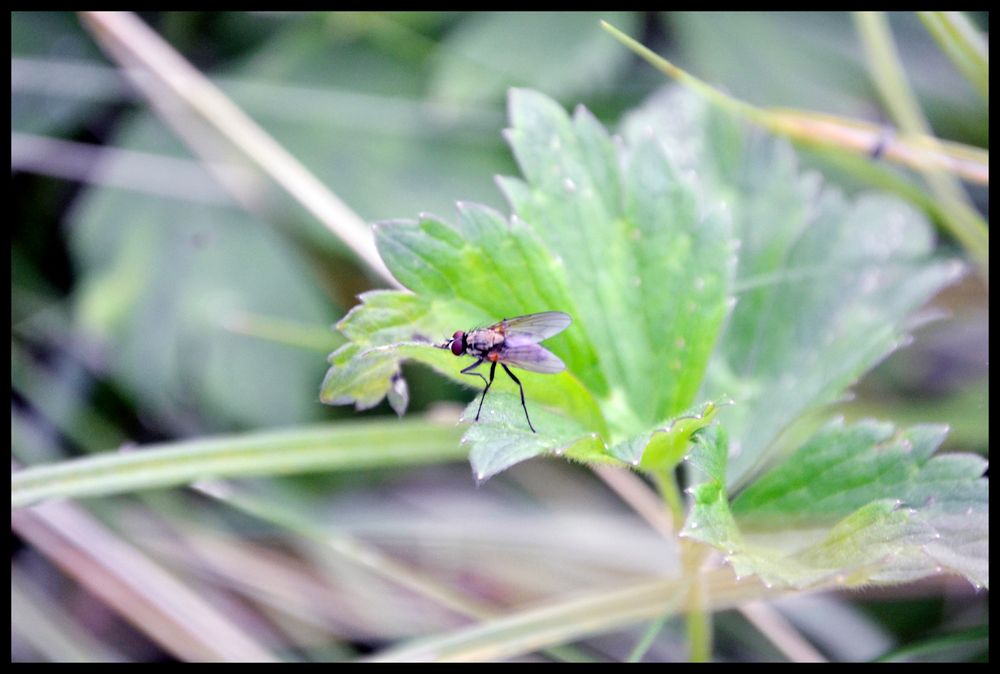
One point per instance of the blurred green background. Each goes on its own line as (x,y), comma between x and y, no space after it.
(147,305)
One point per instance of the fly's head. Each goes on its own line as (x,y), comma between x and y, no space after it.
(456,343)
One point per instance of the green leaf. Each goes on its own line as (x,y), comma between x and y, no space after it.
(855,504)
(503,438)
(824,284)
(616,238)
(649,264)
(562,53)
(624,239)
(663,448)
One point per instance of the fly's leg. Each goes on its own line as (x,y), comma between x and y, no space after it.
(479,374)
(518,382)
(469,369)
(493,368)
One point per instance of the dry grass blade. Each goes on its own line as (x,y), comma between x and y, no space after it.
(165,609)
(780,632)
(164,74)
(916,150)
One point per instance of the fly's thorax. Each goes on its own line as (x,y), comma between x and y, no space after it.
(482,340)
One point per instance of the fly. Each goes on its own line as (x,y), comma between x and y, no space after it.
(512,341)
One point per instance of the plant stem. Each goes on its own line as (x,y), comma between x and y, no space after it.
(699,618)
(666,482)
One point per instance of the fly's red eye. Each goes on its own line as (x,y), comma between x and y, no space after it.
(457,343)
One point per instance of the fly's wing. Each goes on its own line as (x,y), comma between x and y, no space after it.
(533,358)
(533,328)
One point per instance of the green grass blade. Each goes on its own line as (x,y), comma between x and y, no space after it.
(963,44)
(566,620)
(821,129)
(961,218)
(345,446)
(648,637)
(946,646)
